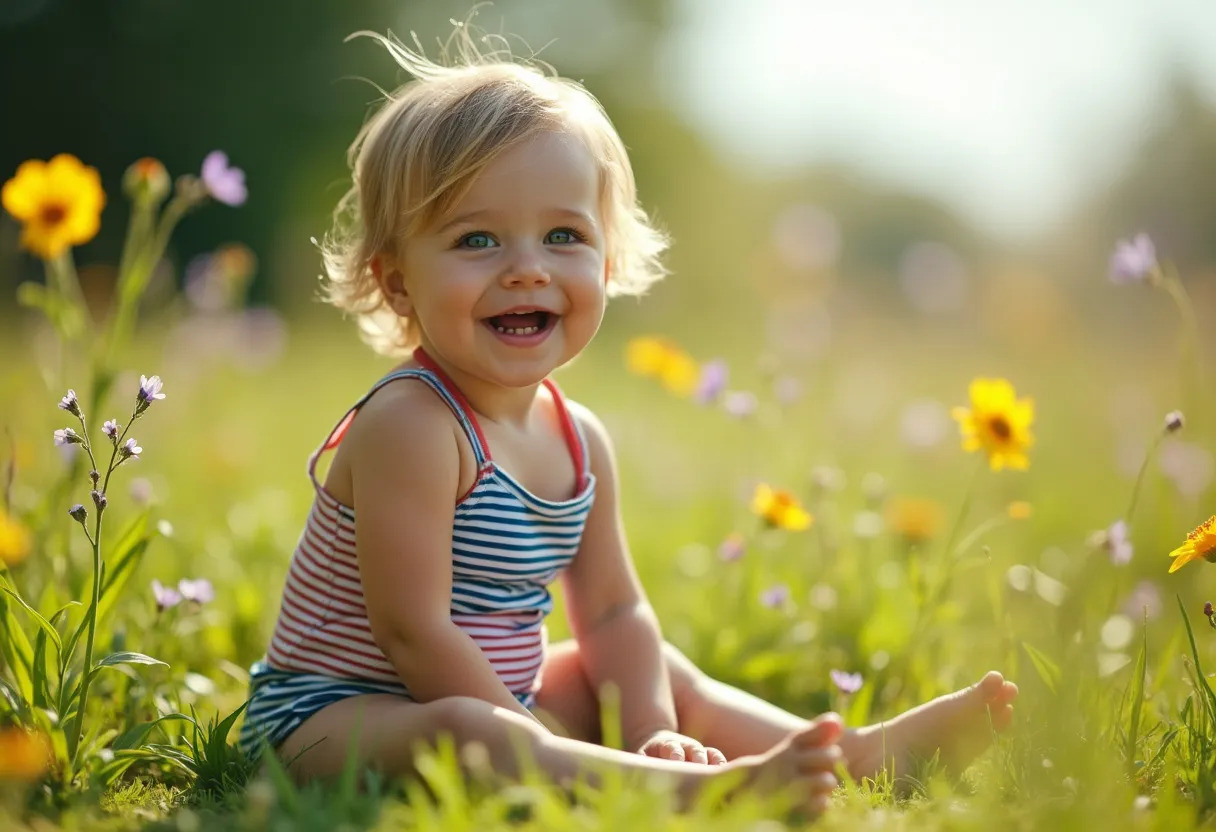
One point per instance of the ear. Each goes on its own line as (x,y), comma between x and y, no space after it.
(392,283)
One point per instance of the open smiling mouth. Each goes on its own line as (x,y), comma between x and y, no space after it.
(522,327)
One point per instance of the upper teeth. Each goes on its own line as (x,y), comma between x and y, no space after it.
(526,330)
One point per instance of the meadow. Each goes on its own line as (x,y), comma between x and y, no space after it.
(801,506)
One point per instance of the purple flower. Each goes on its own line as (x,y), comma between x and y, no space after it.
(78,513)
(198,590)
(713,381)
(740,404)
(225,184)
(1133,261)
(130,450)
(846,682)
(67,436)
(775,596)
(149,390)
(166,596)
(732,548)
(110,428)
(70,403)
(1117,543)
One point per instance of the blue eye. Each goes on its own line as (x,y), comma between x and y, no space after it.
(563,236)
(477,239)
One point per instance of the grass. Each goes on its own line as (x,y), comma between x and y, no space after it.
(1115,727)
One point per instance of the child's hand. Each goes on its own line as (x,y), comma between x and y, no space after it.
(668,745)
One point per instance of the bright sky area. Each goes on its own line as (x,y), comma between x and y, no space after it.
(1009,111)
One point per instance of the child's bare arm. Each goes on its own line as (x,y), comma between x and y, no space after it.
(616,628)
(405,471)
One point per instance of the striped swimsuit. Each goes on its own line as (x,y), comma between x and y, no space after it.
(508,545)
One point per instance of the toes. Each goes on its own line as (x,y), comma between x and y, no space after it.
(991,685)
(1002,715)
(822,759)
(824,730)
(822,783)
(1008,693)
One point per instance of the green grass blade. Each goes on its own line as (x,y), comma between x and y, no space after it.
(16,650)
(1048,670)
(1133,729)
(1209,697)
(46,626)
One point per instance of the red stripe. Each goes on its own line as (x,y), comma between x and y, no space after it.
(307,628)
(322,599)
(425,360)
(310,574)
(318,552)
(336,641)
(572,439)
(327,533)
(336,524)
(314,663)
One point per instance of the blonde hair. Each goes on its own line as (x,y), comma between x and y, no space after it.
(421,149)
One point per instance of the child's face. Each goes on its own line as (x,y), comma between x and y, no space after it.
(526,238)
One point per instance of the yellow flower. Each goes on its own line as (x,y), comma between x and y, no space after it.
(914,518)
(997,422)
(780,509)
(662,359)
(59,203)
(14,539)
(1201,543)
(24,755)
(1020,510)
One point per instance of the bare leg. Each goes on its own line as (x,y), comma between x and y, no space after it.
(739,723)
(387,730)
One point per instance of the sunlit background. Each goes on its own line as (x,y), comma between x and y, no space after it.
(872,203)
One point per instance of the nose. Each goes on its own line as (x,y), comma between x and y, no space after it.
(525,271)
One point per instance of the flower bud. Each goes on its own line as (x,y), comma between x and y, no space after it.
(67,436)
(147,181)
(99,499)
(1173,421)
(1207,609)
(94,476)
(70,403)
(79,513)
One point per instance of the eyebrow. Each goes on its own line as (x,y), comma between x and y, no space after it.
(485,213)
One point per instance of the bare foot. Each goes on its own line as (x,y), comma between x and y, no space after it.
(807,758)
(959,725)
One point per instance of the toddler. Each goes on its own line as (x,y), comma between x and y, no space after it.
(493,212)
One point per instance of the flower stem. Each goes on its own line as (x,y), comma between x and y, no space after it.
(74,738)
(86,680)
(134,279)
(1148,456)
(938,584)
(963,510)
(1191,372)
